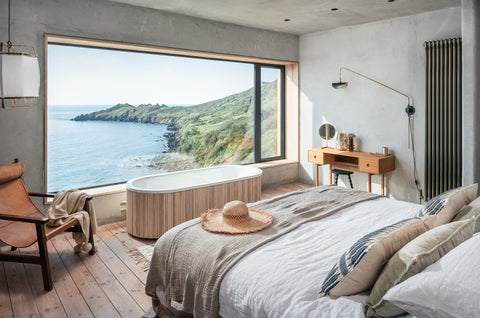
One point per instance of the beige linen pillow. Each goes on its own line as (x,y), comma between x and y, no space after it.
(470,211)
(413,258)
(359,267)
(447,288)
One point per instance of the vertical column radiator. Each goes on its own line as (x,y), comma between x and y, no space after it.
(443,146)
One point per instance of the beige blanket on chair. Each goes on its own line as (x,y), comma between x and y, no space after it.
(69,204)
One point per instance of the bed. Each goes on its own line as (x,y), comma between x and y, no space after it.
(282,277)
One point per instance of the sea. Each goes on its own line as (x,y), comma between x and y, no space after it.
(82,154)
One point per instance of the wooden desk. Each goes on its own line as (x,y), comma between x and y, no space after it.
(352,160)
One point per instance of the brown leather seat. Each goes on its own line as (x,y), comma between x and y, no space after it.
(22,224)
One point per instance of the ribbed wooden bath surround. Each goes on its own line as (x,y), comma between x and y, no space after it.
(151,213)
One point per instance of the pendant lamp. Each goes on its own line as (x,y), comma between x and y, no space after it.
(19,72)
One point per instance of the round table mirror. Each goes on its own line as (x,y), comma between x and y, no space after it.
(326,132)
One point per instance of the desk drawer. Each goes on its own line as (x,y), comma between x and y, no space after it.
(368,165)
(316,157)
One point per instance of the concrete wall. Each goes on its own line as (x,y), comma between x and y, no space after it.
(471,94)
(22,129)
(277,175)
(391,52)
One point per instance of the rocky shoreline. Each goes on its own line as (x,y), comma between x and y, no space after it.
(172,138)
(168,161)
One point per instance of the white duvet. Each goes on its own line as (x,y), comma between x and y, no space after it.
(282,278)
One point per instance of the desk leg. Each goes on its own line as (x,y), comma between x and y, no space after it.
(316,175)
(330,174)
(383,183)
(369,182)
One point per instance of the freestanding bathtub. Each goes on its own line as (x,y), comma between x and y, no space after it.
(157,203)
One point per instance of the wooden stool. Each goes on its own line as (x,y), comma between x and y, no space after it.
(337,172)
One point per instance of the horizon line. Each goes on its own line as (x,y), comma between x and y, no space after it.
(121,104)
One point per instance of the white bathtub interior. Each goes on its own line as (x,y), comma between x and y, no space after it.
(191,179)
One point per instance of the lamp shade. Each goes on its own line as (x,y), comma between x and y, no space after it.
(19,76)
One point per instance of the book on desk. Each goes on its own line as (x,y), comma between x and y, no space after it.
(352,160)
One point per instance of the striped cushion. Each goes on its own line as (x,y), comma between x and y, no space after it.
(447,204)
(436,204)
(358,268)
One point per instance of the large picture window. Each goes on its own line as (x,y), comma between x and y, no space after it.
(115,114)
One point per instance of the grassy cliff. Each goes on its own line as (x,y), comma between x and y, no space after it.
(216,132)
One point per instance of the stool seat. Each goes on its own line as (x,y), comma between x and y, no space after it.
(338,172)
(342,172)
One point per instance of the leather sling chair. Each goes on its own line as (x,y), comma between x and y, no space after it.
(22,224)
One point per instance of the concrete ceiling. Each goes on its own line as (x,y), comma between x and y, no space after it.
(305,16)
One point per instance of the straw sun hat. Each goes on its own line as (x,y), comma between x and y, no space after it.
(235,218)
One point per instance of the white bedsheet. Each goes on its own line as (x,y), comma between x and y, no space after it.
(282,278)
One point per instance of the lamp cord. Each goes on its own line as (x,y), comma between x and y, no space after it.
(9,43)
(417,184)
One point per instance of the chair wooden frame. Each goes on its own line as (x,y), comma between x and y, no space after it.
(43,234)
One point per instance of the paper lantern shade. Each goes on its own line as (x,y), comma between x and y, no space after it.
(19,76)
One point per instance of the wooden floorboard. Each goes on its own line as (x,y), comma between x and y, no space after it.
(21,296)
(65,287)
(122,252)
(48,303)
(110,283)
(128,278)
(270,193)
(116,293)
(5,304)
(97,301)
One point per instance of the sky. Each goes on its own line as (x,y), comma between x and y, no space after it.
(91,76)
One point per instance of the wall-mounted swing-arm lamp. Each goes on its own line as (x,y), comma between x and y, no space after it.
(410,110)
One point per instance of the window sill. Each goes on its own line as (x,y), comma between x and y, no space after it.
(121,187)
(273,163)
(99,191)
(110,189)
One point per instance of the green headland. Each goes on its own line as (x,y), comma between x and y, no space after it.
(217,132)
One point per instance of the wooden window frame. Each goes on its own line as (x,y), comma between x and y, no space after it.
(289,98)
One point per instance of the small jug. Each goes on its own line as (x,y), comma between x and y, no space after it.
(342,143)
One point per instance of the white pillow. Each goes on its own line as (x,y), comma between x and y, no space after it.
(447,288)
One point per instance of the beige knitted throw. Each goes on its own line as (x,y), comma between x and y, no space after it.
(69,204)
(189,263)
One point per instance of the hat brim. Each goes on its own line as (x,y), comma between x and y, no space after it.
(258,220)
